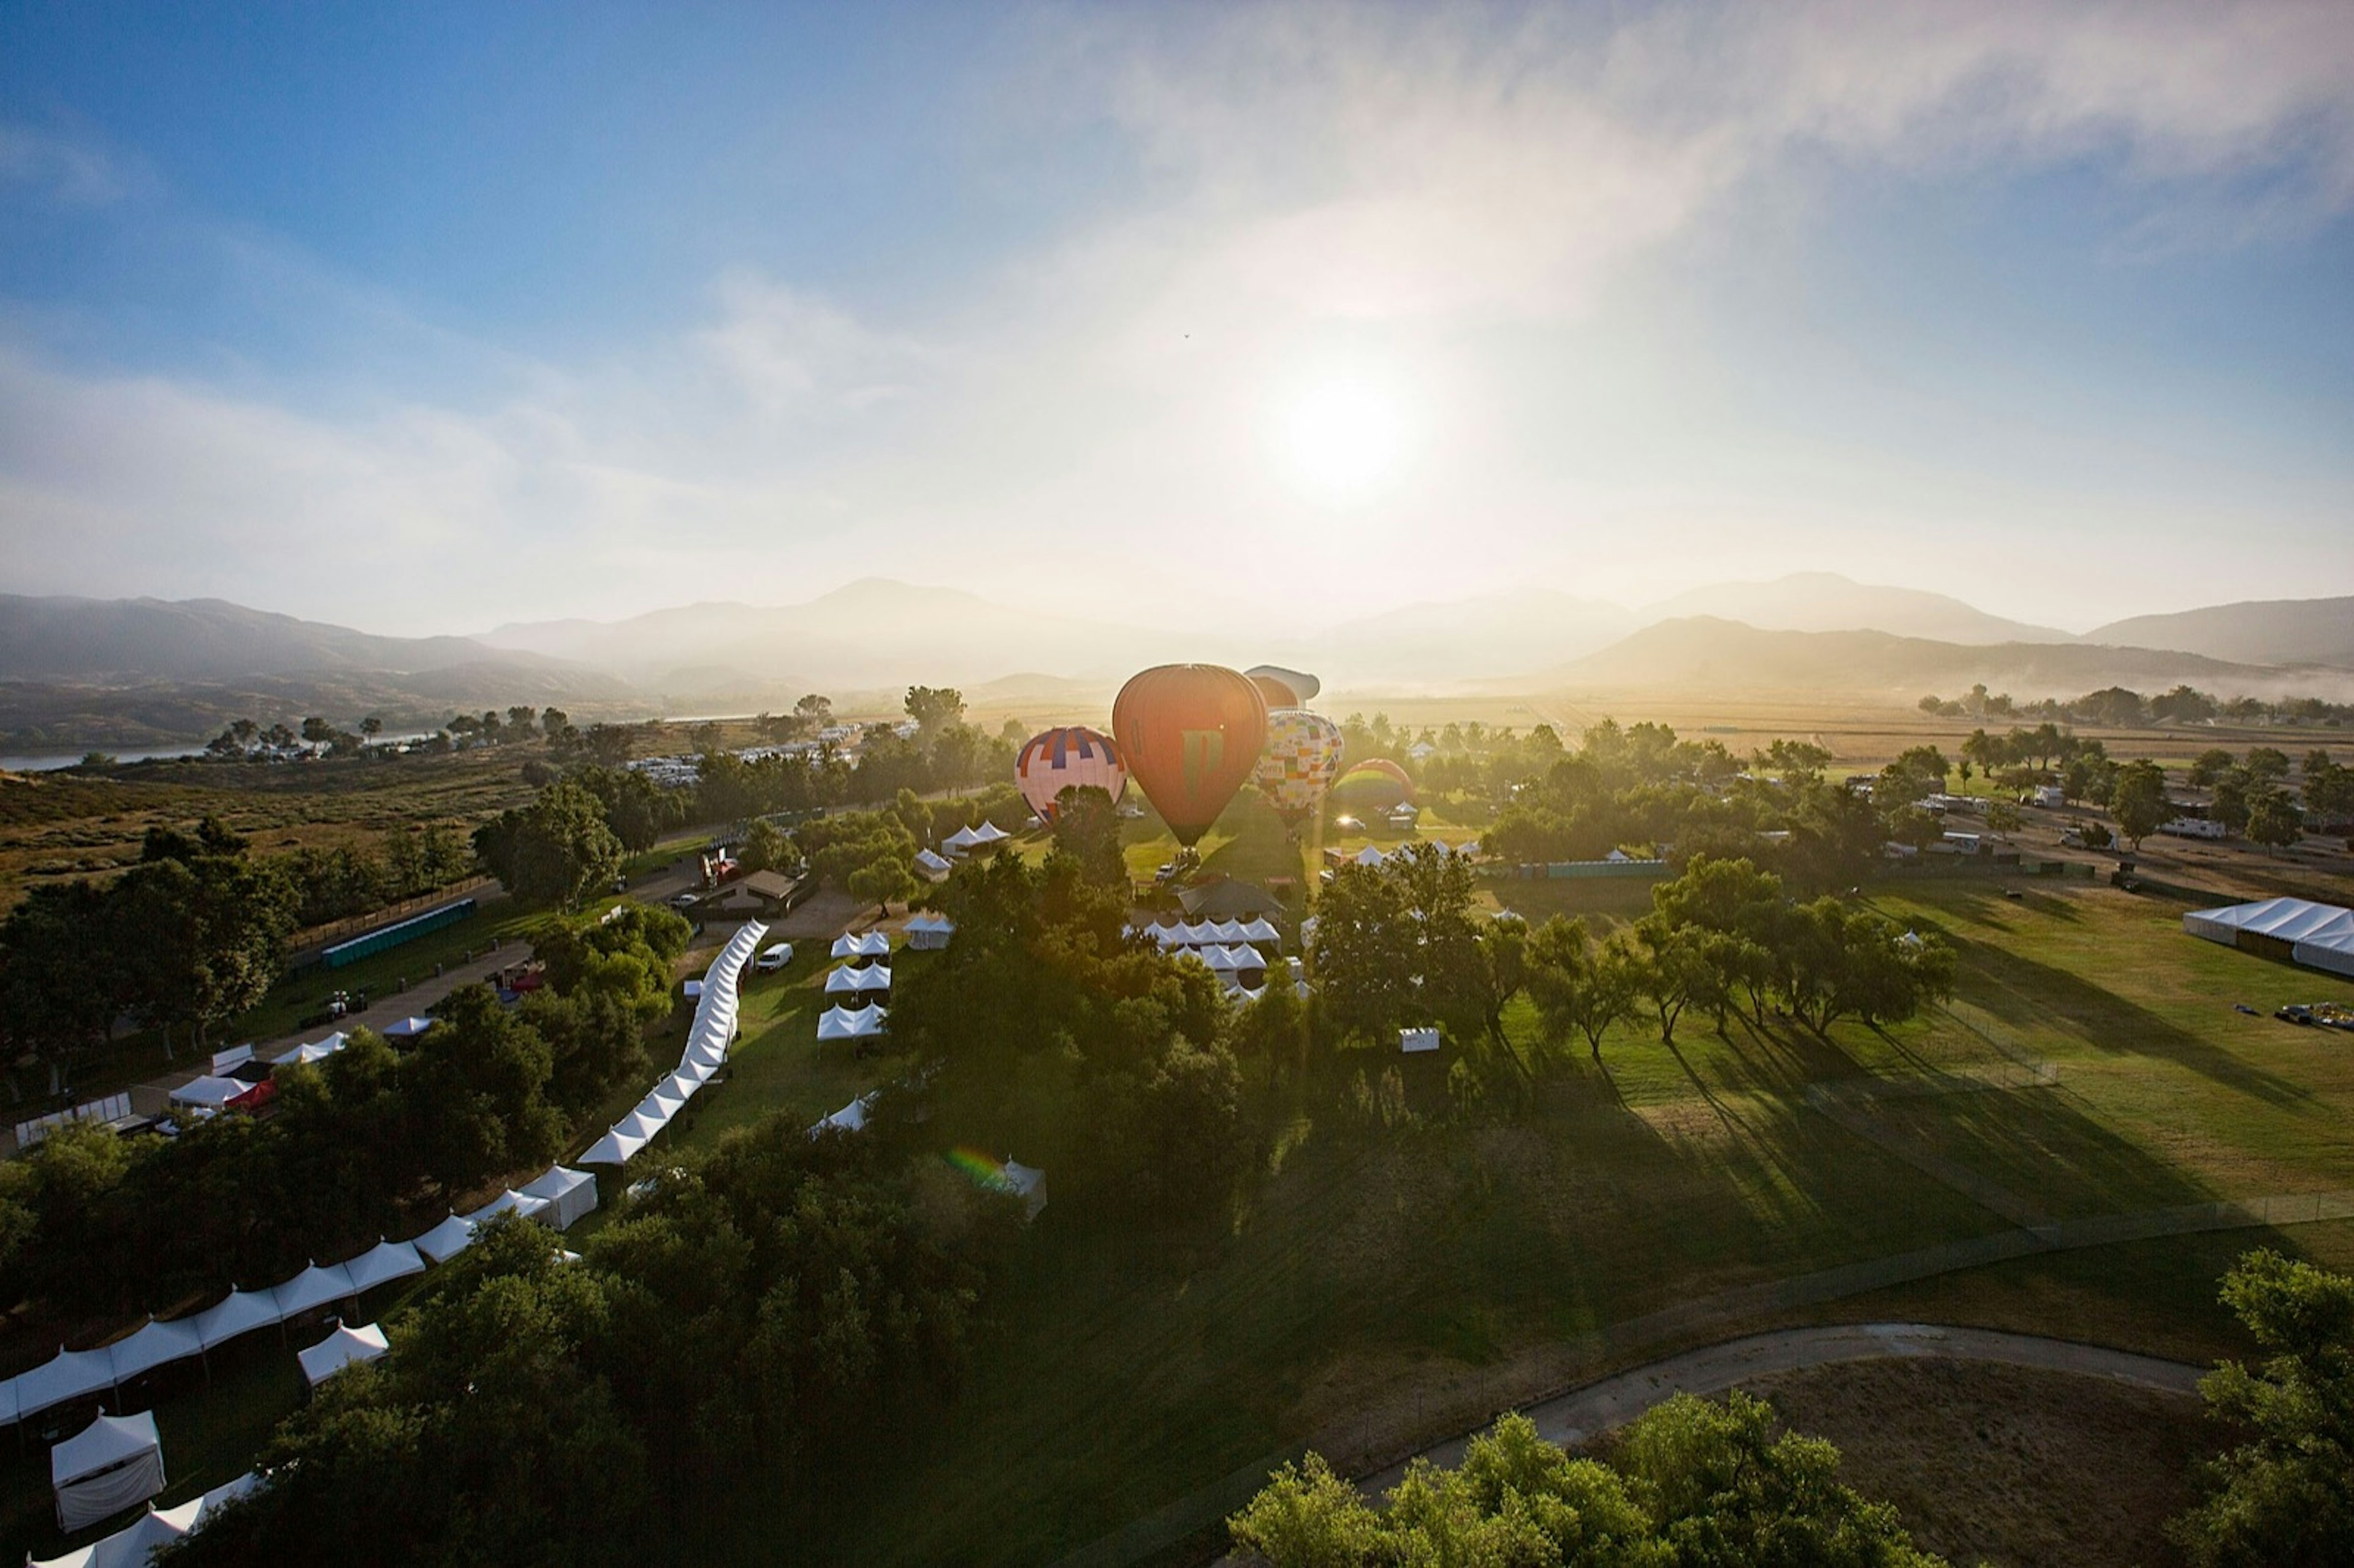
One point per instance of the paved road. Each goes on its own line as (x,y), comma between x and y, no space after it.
(1600,1407)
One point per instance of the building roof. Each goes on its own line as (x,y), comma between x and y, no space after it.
(769,884)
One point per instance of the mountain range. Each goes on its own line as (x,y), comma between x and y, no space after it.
(77,671)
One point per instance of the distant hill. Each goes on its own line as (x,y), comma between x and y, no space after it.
(67,638)
(2257,631)
(1456,640)
(872,633)
(1706,653)
(1826,601)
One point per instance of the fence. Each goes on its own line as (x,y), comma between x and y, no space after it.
(394,934)
(113,1107)
(309,944)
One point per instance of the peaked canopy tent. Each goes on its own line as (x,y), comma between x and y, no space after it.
(315,1051)
(849,1118)
(384,1263)
(238,1312)
(406,1029)
(874,977)
(314,1286)
(446,1240)
(861,944)
(65,1377)
(154,1345)
(929,932)
(340,1350)
(208,1094)
(569,1194)
(113,1463)
(846,1023)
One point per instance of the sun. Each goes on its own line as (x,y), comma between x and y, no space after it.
(1344,440)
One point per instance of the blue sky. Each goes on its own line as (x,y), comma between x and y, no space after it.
(434,318)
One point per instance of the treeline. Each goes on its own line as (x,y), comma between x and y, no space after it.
(1402,945)
(1690,1484)
(754,1322)
(1640,785)
(2121,707)
(191,936)
(92,1224)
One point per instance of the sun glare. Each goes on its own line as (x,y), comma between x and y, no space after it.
(1344,440)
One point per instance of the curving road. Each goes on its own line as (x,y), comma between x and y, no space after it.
(1598,1407)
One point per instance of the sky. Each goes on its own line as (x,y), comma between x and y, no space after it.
(431,318)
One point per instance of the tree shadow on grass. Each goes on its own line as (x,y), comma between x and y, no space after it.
(2027,993)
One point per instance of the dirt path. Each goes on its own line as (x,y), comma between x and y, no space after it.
(1599,1407)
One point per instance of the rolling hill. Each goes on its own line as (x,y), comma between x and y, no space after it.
(1706,653)
(2256,631)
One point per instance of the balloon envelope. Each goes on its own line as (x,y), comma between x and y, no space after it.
(1284,688)
(1303,753)
(1061,758)
(1190,734)
(1367,786)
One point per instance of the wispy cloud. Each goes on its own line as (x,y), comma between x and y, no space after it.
(78,172)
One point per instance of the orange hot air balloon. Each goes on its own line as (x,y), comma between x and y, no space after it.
(1191,735)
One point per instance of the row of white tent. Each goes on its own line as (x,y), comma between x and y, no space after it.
(1210,933)
(1227,960)
(707,1039)
(2318,936)
(557,1197)
(1468,850)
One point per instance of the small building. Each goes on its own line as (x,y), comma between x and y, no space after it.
(2051,795)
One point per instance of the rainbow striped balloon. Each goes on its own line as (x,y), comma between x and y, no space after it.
(1057,759)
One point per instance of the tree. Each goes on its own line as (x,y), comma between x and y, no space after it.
(2139,802)
(211,934)
(610,743)
(880,881)
(935,709)
(556,849)
(1695,1483)
(59,974)
(2283,1498)
(2267,764)
(2208,766)
(317,730)
(2002,817)
(1577,987)
(767,847)
(522,719)
(815,710)
(2273,820)
(1086,828)
(371,726)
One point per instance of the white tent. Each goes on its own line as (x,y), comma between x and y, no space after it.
(508,1201)
(238,1312)
(1027,1183)
(113,1463)
(406,1029)
(569,1194)
(137,1544)
(862,945)
(68,1375)
(843,1023)
(849,1118)
(1368,856)
(1257,930)
(340,1350)
(1469,849)
(316,1051)
(314,1286)
(929,932)
(154,1345)
(1417,1039)
(988,833)
(874,977)
(962,840)
(931,866)
(384,1263)
(690,988)
(640,1126)
(1219,961)
(614,1149)
(2320,936)
(208,1093)
(707,1039)
(446,1240)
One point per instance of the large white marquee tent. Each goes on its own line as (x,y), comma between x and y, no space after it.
(2318,936)
(707,1040)
(113,1463)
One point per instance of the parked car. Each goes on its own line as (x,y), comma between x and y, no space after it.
(773,959)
